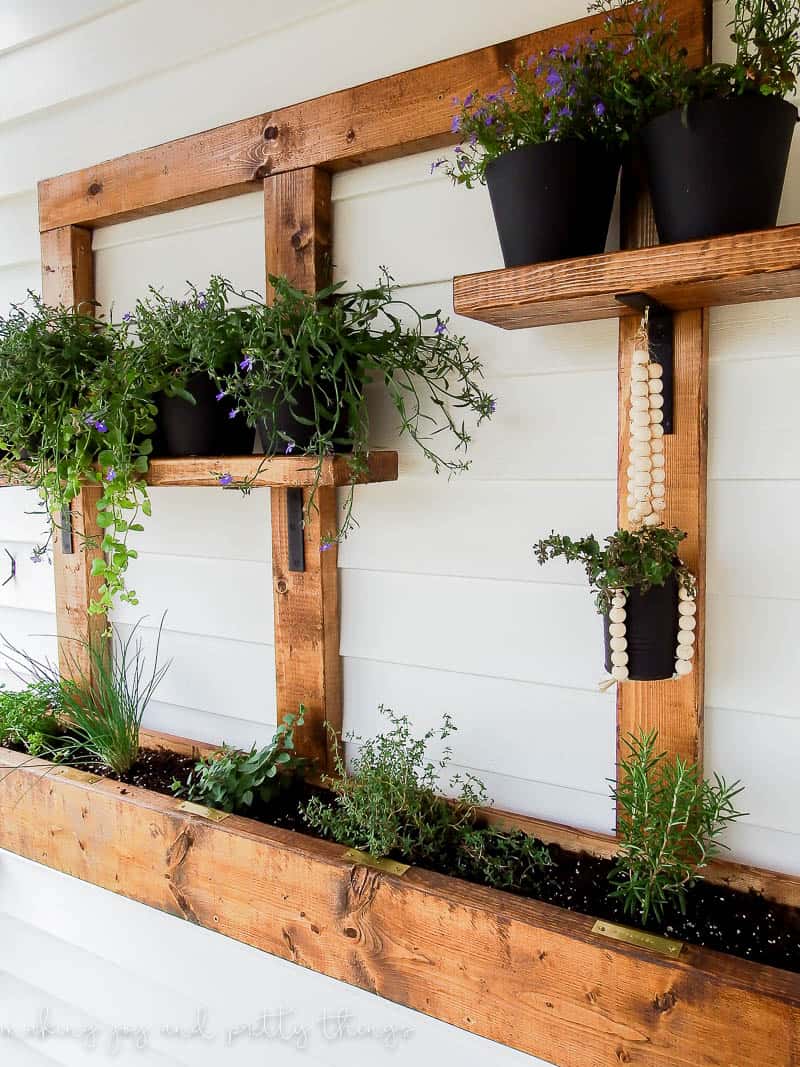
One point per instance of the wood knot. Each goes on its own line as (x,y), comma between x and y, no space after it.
(263,171)
(95,188)
(282,585)
(623,1056)
(350,136)
(350,931)
(664,1002)
(270,133)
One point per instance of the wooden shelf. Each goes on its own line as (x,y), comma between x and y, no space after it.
(762,265)
(275,471)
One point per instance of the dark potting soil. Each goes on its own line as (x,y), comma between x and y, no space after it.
(742,924)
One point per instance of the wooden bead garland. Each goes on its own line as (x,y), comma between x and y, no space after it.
(646,502)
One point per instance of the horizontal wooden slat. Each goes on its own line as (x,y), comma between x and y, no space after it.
(737,269)
(265,470)
(517,971)
(270,470)
(390,117)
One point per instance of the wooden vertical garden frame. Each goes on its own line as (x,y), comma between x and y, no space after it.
(293,152)
(517,971)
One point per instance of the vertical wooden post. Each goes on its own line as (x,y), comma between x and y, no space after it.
(68,279)
(297,221)
(673,708)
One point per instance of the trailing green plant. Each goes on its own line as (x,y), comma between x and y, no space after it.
(390,805)
(670,820)
(314,355)
(628,559)
(102,699)
(76,407)
(29,717)
(205,331)
(241,782)
(596,88)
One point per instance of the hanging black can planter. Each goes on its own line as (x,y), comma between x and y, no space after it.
(651,632)
(204,428)
(718,166)
(552,201)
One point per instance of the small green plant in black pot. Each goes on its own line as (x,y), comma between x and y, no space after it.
(76,405)
(191,343)
(639,583)
(549,143)
(310,358)
(717,155)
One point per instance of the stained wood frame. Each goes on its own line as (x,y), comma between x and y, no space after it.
(516,971)
(292,152)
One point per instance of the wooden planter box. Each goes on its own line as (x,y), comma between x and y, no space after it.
(523,973)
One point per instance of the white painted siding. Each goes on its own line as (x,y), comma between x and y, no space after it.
(443,605)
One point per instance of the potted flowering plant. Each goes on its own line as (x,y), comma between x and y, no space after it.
(308,359)
(717,153)
(191,343)
(549,143)
(639,583)
(76,406)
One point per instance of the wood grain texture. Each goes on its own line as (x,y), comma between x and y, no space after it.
(308,670)
(269,470)
(297,228)
(674,707)
(68,280)
(516,971)
(383,119)
(747,267)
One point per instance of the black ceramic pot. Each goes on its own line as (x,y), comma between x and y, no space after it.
(200,429)
(552,201)
(651,630)
(295,421)
(720,167)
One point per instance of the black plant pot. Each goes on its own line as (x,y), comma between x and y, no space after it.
(296,422)
(719,168)
(552,201)
(200,429)
(651,630)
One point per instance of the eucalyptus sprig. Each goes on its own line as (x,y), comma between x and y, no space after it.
(629,559)
(669,822)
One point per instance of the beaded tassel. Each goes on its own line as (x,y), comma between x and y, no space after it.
(646,502)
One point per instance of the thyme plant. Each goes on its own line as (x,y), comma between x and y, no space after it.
(670,821)
(390,804)
(627,560)
(244,781)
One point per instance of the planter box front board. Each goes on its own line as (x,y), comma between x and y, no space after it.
(519,972)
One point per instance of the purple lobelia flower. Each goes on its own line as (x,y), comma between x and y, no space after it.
(127,317)
(110,474)
(440,328)
(290,447)
(225,479)
(599,109)
(325,546)
(220,395)
(232,413)
(246,363)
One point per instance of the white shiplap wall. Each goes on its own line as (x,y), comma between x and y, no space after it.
(443,605)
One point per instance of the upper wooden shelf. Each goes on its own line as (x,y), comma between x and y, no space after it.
(273,471)
(761,265)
